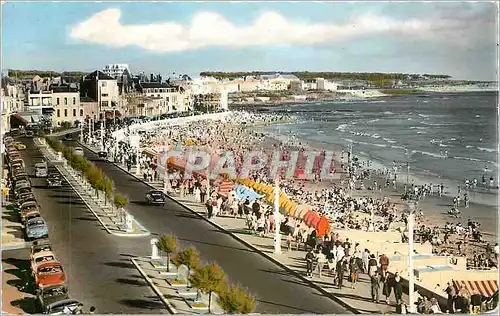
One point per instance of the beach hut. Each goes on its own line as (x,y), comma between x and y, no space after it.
(315,220)
(323,227)
(291,210)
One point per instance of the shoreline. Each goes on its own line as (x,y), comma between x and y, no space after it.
(434,208)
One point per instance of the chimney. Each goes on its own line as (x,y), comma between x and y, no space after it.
(159,78)
(151,76)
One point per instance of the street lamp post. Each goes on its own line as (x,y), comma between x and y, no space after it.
(277,221)
(102,137)
(410,208)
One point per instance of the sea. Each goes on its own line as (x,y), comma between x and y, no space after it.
(445,138)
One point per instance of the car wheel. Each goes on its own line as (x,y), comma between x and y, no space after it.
(163,204)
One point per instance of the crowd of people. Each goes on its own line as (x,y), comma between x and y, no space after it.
(331,199)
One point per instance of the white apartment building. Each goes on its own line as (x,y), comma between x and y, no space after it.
(172,99)
(67,107)
(115,70)
(6,104)
(322,84)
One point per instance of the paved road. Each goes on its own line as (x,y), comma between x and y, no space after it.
(97,264)
(276,289)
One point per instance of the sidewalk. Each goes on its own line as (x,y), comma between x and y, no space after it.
(12,229)
(179,299)
(102,210)
(358,299)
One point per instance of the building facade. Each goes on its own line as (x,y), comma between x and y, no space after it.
(67,107)
(104,90)
(115,70)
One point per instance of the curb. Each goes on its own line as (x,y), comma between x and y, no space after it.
(97,216)
(283,266)
(170,308)
(146,233)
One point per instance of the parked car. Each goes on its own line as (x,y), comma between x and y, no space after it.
(155,197)
(30,134)
(78,151)
(40,245)
(25,197)
(28,214)
(49,273)
(41,170)
(22,191)
(36,228)
(41,257)
(54,181)
(68,137)
(49,295)
(65,307)
(19,146)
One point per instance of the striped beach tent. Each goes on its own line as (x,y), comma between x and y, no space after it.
(225,187)
(483,287)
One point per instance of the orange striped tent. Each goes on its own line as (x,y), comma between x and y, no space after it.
(483,287)
(323,227)
(225,187)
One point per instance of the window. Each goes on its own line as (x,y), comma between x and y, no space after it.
(57,101)
(65,101)
(81,112)
(65,112)
(158,95)
(58,113)
(74,100)
(74,112)
(104,103)
(103,84)
(104,94)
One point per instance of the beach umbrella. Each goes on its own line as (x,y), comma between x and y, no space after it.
(323,227)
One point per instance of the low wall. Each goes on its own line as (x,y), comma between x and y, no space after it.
(120,134)
(361,236)
(402,264)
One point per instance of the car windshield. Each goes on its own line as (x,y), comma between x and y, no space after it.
(37,249)
(50,270)
(43,259)
(56,291)
(36,223)
(156,193)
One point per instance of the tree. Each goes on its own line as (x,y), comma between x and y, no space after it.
(235,300)
(108,188)
(188,257)
(120,201)
(167,244)
(209,278)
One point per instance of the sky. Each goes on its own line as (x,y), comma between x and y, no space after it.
(458,39)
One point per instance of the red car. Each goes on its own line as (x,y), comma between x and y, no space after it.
(49,273)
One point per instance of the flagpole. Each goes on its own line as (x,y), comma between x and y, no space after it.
(277,220)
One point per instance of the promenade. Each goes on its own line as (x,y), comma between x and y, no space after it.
(358,299)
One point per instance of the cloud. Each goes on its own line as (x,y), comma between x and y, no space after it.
(270,28)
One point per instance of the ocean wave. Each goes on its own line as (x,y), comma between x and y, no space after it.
(435,124)
(443,145)
(375,136)
(388,113)
(397,147)
(373,121)
(341,127)
(423,115)
(418,127)
(490,150)
(392,141)
(453,138)
(427,153)
(477,115)
(434,141)
(420,132)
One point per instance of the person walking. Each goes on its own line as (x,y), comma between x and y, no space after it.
(340,272)
(450,303)
(375,286)
(398,291)
(309,262)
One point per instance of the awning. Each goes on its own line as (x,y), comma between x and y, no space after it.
(17,120)
(483,287)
